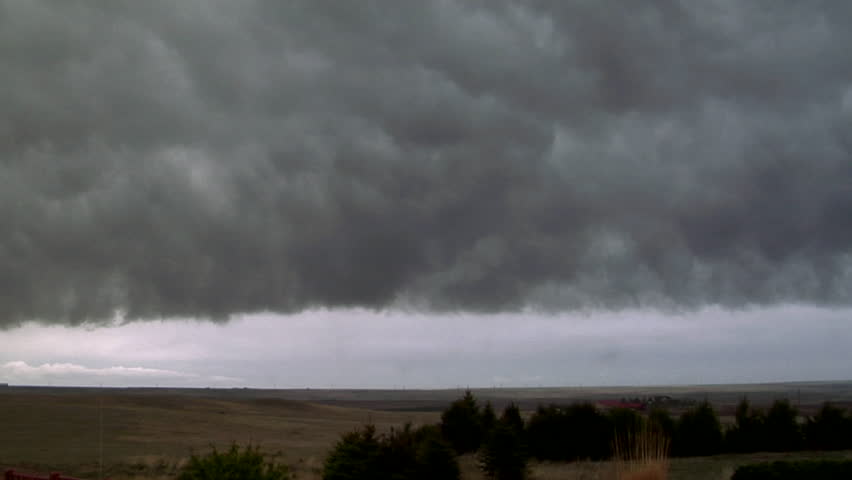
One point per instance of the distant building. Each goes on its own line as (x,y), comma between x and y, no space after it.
(610,404)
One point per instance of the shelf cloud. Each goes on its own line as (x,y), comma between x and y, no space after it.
(207,158)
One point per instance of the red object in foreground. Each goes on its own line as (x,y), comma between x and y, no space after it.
(13,475)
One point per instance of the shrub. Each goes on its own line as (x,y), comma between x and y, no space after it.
(782,429)
(234,464)
(355,456)
(660,421)
(698,432)
(435,458)
(579,431)
(829,429)
(503,455)
(403,454)
(626,424)
(801,470)
(487,419)
(511,417)
(546,433)
(461,424)
(749,431)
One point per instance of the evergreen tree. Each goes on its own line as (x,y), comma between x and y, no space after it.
(487,419)
(782,427)
(661,422)
(511,417)
(698,432)
(748,433)
(461,424)
(503,455)
(402,454)
(829,429)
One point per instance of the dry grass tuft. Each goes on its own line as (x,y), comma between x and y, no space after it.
(643,455)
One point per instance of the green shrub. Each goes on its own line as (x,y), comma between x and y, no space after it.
(783,433)
(576,432)
(487,419)
(234,464)
(829,429)
(801,470)
(626,424)
(698,432)
(503,455)
(661,422)
(512,418)
(403,454)
(355,456)
(748,433)
(435,458)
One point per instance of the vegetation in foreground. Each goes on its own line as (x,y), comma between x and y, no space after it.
(147,434)
(404,454)
(639,444)
(234,464)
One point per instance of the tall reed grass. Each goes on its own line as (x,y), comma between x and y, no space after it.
(641,455)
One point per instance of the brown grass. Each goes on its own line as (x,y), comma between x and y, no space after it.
(147,435)
(642,455)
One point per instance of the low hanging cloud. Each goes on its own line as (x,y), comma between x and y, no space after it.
(206,158)
(22,373)
(23,369)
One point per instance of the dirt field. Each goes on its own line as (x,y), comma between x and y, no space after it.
(146,433)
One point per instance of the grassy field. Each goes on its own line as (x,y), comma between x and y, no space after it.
(147,433)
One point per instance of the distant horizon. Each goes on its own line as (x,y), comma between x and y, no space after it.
(401,389)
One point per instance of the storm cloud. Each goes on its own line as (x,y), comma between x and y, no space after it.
(207,158)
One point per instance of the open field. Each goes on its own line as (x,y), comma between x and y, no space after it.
(146,433)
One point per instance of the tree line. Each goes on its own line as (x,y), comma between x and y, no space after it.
(580,431)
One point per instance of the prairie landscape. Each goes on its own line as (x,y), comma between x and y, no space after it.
(271,223)
(147,433)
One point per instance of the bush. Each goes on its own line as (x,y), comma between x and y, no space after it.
(435,458)
(576,432)
(782,429)
(357,455)
(802,470)
(749,431)
(698,432)
(829,429)
(487,420)
(503,455)
(626,424)
(511,417)
(404,454)
(461,424)
(661,422)
(234,464)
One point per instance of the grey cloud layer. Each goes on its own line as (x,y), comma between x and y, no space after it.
(203,158)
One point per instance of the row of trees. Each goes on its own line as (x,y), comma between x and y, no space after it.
(581,431)
(402,454)
(778,429)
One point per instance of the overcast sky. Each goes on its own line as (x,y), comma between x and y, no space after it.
(441,193)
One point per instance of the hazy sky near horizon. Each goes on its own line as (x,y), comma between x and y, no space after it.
(362,349)
(442,193)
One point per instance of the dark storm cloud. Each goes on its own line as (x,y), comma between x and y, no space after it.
(202,158)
